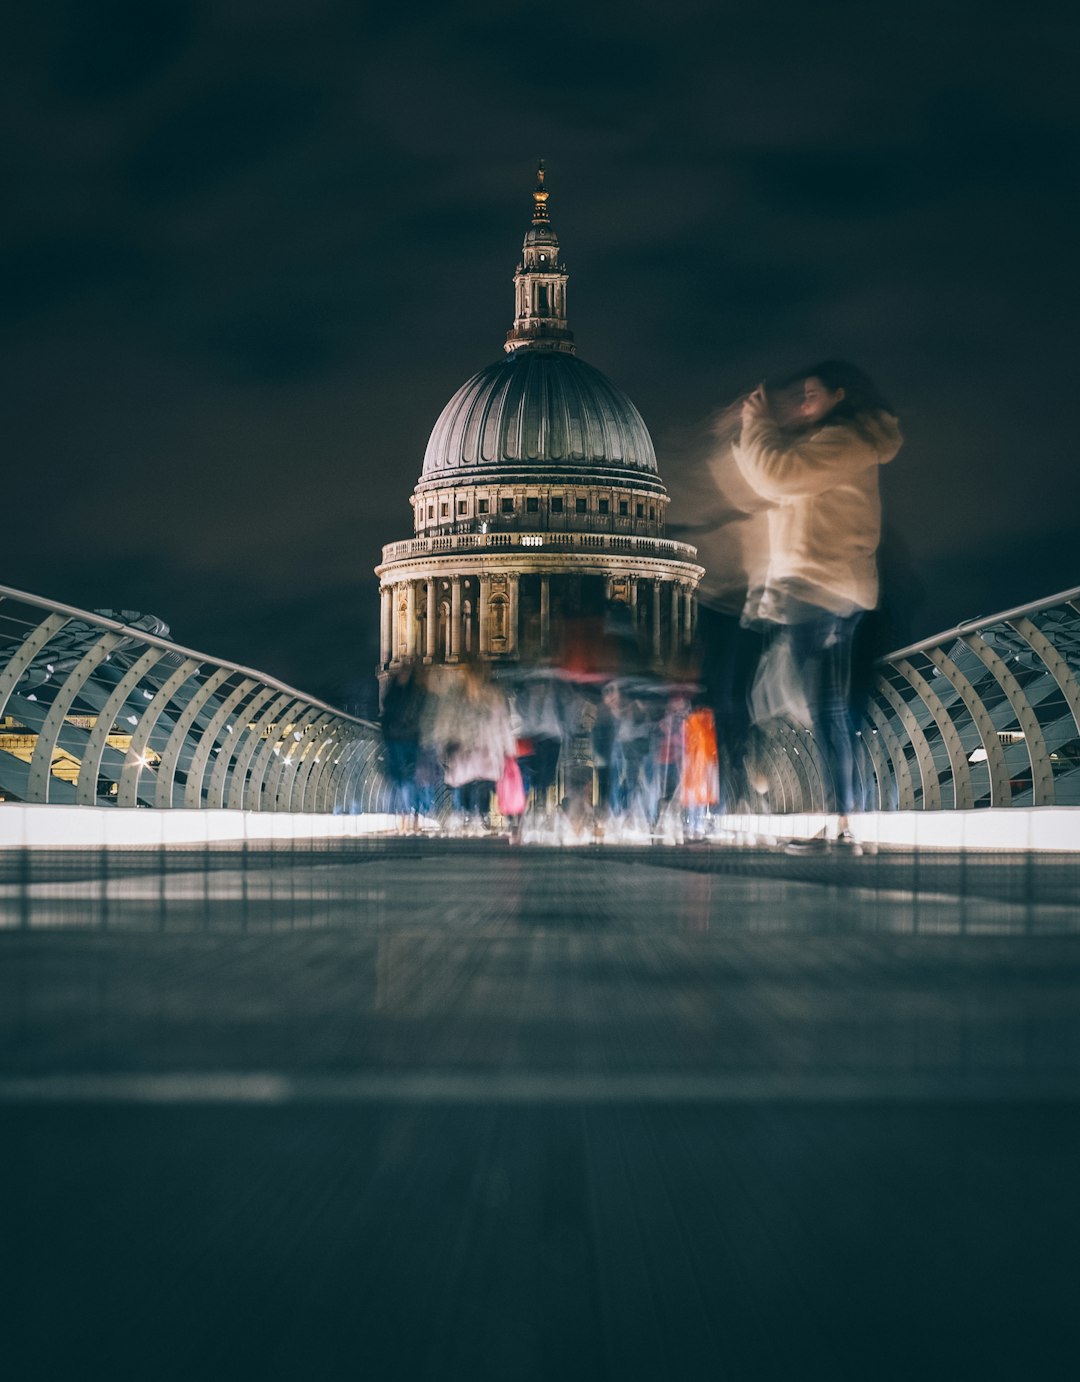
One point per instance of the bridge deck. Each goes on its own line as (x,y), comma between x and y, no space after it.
(439,1109)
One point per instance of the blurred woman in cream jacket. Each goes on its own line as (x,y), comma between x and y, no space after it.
(818,468)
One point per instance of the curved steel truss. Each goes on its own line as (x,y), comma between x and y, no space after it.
(987,714)
(101,710)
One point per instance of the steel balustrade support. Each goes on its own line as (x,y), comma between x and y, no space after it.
(245,710)
(279,765)
(322,776)
(817,769)
(1054,663)
(963,796)
(1042,774)
(258,791)
(339,783)
(302,793)
(249,794)
(372,782)
(11,674)
(868,771)
(291,794)
(310,787)
(360,783)
(783,781)
(66,694)
(248,742)
(799,763)
(128,792)
(86,792)
(1000,788)
(353,783)
(931,784)
(888,786)
(251,740)
(345,802)
(900,768)
(209,740)
(338,771)
(174,745)
(281,780)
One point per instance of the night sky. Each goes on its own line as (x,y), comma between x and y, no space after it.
(251,249)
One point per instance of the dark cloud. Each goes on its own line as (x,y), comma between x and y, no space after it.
(252,249)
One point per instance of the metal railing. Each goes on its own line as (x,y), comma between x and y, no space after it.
(666,548)
(986,714)
(100,711)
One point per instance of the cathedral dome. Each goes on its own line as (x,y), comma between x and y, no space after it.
(540,413)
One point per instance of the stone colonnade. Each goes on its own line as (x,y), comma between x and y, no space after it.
(444,618)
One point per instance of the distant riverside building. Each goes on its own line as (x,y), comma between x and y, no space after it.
(539,504)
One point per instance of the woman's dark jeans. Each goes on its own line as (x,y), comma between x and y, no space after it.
(821,647)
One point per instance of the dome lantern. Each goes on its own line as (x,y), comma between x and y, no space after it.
(540,285)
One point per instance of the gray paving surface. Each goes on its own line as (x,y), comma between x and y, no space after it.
(447,1110)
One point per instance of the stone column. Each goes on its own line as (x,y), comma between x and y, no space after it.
(386,625)
(674,617)
(512,638)
(432,621)
(455,618)
(395,621)
(656,647)
(545,613)
(410,619)
(485,610)
(688,616)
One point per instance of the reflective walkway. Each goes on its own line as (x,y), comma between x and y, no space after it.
(451,1109)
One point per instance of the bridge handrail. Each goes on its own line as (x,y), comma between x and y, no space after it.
(153,640)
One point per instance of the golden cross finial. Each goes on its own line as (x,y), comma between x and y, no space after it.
(540,196)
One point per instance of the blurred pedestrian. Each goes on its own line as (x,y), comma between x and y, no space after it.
(402,710)
(817,462)
(701,769)
(473,733)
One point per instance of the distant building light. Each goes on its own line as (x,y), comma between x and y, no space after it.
(133,719)
(977,755)
(148,695)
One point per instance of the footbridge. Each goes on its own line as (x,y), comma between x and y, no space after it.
(102,709)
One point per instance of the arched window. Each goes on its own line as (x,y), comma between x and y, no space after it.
(444,628)
(500,623)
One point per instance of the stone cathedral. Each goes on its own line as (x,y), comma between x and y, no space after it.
(539,506)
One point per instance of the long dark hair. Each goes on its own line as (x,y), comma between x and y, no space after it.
(861,394)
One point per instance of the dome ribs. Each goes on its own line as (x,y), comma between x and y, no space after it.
(542,409)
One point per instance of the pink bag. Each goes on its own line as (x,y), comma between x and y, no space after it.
(510,792)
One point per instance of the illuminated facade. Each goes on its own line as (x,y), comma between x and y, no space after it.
(539,504)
